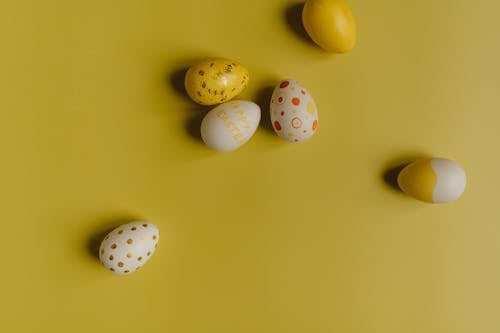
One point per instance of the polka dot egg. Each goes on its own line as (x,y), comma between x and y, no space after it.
(128,247)
(293,112)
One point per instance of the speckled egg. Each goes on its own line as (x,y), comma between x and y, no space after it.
(435,180)
(230,125)
(128,247)
(215,81)
(293,112)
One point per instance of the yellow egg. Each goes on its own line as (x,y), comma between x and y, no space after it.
(435,180)
(330,24)
(215,81)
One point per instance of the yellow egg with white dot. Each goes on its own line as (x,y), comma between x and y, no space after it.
(434,180)
(128,247)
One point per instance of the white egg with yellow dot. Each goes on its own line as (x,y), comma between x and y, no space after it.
(128,247)
(435,180)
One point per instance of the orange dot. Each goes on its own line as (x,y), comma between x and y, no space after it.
(315,125)
(284,84)
(277,125)
(295,101)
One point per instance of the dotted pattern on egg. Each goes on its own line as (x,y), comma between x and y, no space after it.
(293,112)
(215,81)
(128,247)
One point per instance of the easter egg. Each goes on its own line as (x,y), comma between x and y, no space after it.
(230,125)
(214,81)
(294,114)
(330,24)
(128,247)
(435,180)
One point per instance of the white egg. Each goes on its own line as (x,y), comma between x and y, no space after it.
(293,112)
(230,125)
(128,247)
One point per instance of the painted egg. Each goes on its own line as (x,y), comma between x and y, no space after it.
(330,24)
(230,125)
(293,112)
(435,180)
(215,81)
(128,247)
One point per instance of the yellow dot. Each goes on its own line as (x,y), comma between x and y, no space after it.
(139,258)
(145,225)
(134,228)
(142,240)
(129,241)
(149,253)
(120,264)
(113,246)
(102,251)
(125,272)
(112,269)
(154,237)
(129,255)
(310,108)
(120,232)
(111,257)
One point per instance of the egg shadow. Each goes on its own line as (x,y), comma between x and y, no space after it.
(193,124)
(175,80)
(393,168)
(263,99)
(390,176)
(105,226)
(293,18)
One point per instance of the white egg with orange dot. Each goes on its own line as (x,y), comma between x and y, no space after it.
(128,247)
(293,112)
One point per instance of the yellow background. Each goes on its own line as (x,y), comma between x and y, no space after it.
(273,237)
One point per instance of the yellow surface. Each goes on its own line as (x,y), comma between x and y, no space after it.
(274,237)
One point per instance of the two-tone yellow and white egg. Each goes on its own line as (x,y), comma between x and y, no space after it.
(434,180)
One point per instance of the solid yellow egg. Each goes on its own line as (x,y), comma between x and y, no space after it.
(330,24)
(215,81)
